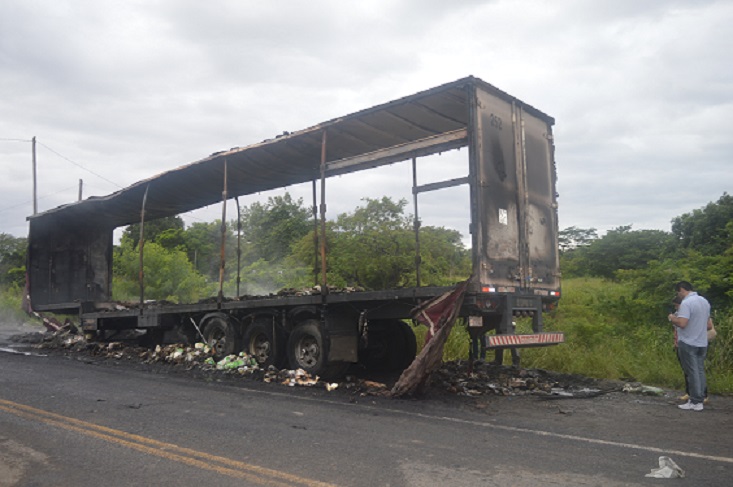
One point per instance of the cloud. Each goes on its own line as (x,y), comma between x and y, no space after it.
(641,91)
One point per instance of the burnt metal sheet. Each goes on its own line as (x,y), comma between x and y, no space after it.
(517,227)
(68,266)
(512,206)
(427,122)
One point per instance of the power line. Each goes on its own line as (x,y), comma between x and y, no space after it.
(8,139)
(81,166)
(31,201)
(78,165)
(66,189)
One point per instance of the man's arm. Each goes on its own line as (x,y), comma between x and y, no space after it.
(678,321)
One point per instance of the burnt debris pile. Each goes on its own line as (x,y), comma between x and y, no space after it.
(460,378)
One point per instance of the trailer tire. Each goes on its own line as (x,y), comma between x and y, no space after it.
(221,336)
(152,337)
(410,351)
(186,333)
(335,370)
(305,348)
(264,344)
(390,348)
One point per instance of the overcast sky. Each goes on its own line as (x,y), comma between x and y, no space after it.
(115,92)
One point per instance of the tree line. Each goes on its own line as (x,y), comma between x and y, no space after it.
(275,245)
(698,249)
(617,288)
(617,293)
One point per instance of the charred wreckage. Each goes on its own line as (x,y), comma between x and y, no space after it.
(512,208)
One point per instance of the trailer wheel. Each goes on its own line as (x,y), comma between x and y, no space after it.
(305,348)
(186,333)
(391,348)
(376,356)
(410,350)
(152,337)
(221,336)
(264,344)
(335,370)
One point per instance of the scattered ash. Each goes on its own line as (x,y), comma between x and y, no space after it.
(483,378)
(458,378)
(34,337)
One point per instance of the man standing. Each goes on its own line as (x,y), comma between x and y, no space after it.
(691,321)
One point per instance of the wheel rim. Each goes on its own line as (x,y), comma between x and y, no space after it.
(308,352)
(260,347)
(218,341)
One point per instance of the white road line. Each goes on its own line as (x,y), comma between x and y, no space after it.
(18,352)
(582,438)
(514,429)
(482,424)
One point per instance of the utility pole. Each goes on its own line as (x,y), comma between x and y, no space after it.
(35,186)
(81,185)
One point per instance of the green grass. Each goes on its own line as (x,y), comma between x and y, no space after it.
(10,305)
(456,346)
(604,340)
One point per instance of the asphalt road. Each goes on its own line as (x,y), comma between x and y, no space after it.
(75,421)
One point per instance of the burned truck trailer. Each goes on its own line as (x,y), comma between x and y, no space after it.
(512,209)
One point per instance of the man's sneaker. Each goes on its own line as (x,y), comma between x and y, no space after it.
(690,406)
(686,397)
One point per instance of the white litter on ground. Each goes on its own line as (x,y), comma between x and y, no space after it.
(667,470)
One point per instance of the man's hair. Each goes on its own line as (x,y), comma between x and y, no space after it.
(683,285)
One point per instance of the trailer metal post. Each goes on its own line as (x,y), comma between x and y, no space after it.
(275,344)
(35,183)
(520,163)
(141,245)
(222,261)
(324,281)
(193,322)
(314,208)
(474,183)
(416,224)
(537,321)
(239,244)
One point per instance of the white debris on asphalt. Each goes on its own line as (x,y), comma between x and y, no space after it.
(667,470)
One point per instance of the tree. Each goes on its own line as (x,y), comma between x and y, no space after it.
(202,242)
(707,230)
(271,229)
(374,247)
(573,237)
(261,277)
(572,242)
(168,227)
(701,252)
(623,249)
(13,252)
(171,238)
(169,275)
(444,259)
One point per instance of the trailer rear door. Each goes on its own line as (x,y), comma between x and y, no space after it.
(515,219)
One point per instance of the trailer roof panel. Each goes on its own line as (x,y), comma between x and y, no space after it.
(419,124)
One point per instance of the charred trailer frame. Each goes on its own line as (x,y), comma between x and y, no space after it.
(513,224)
